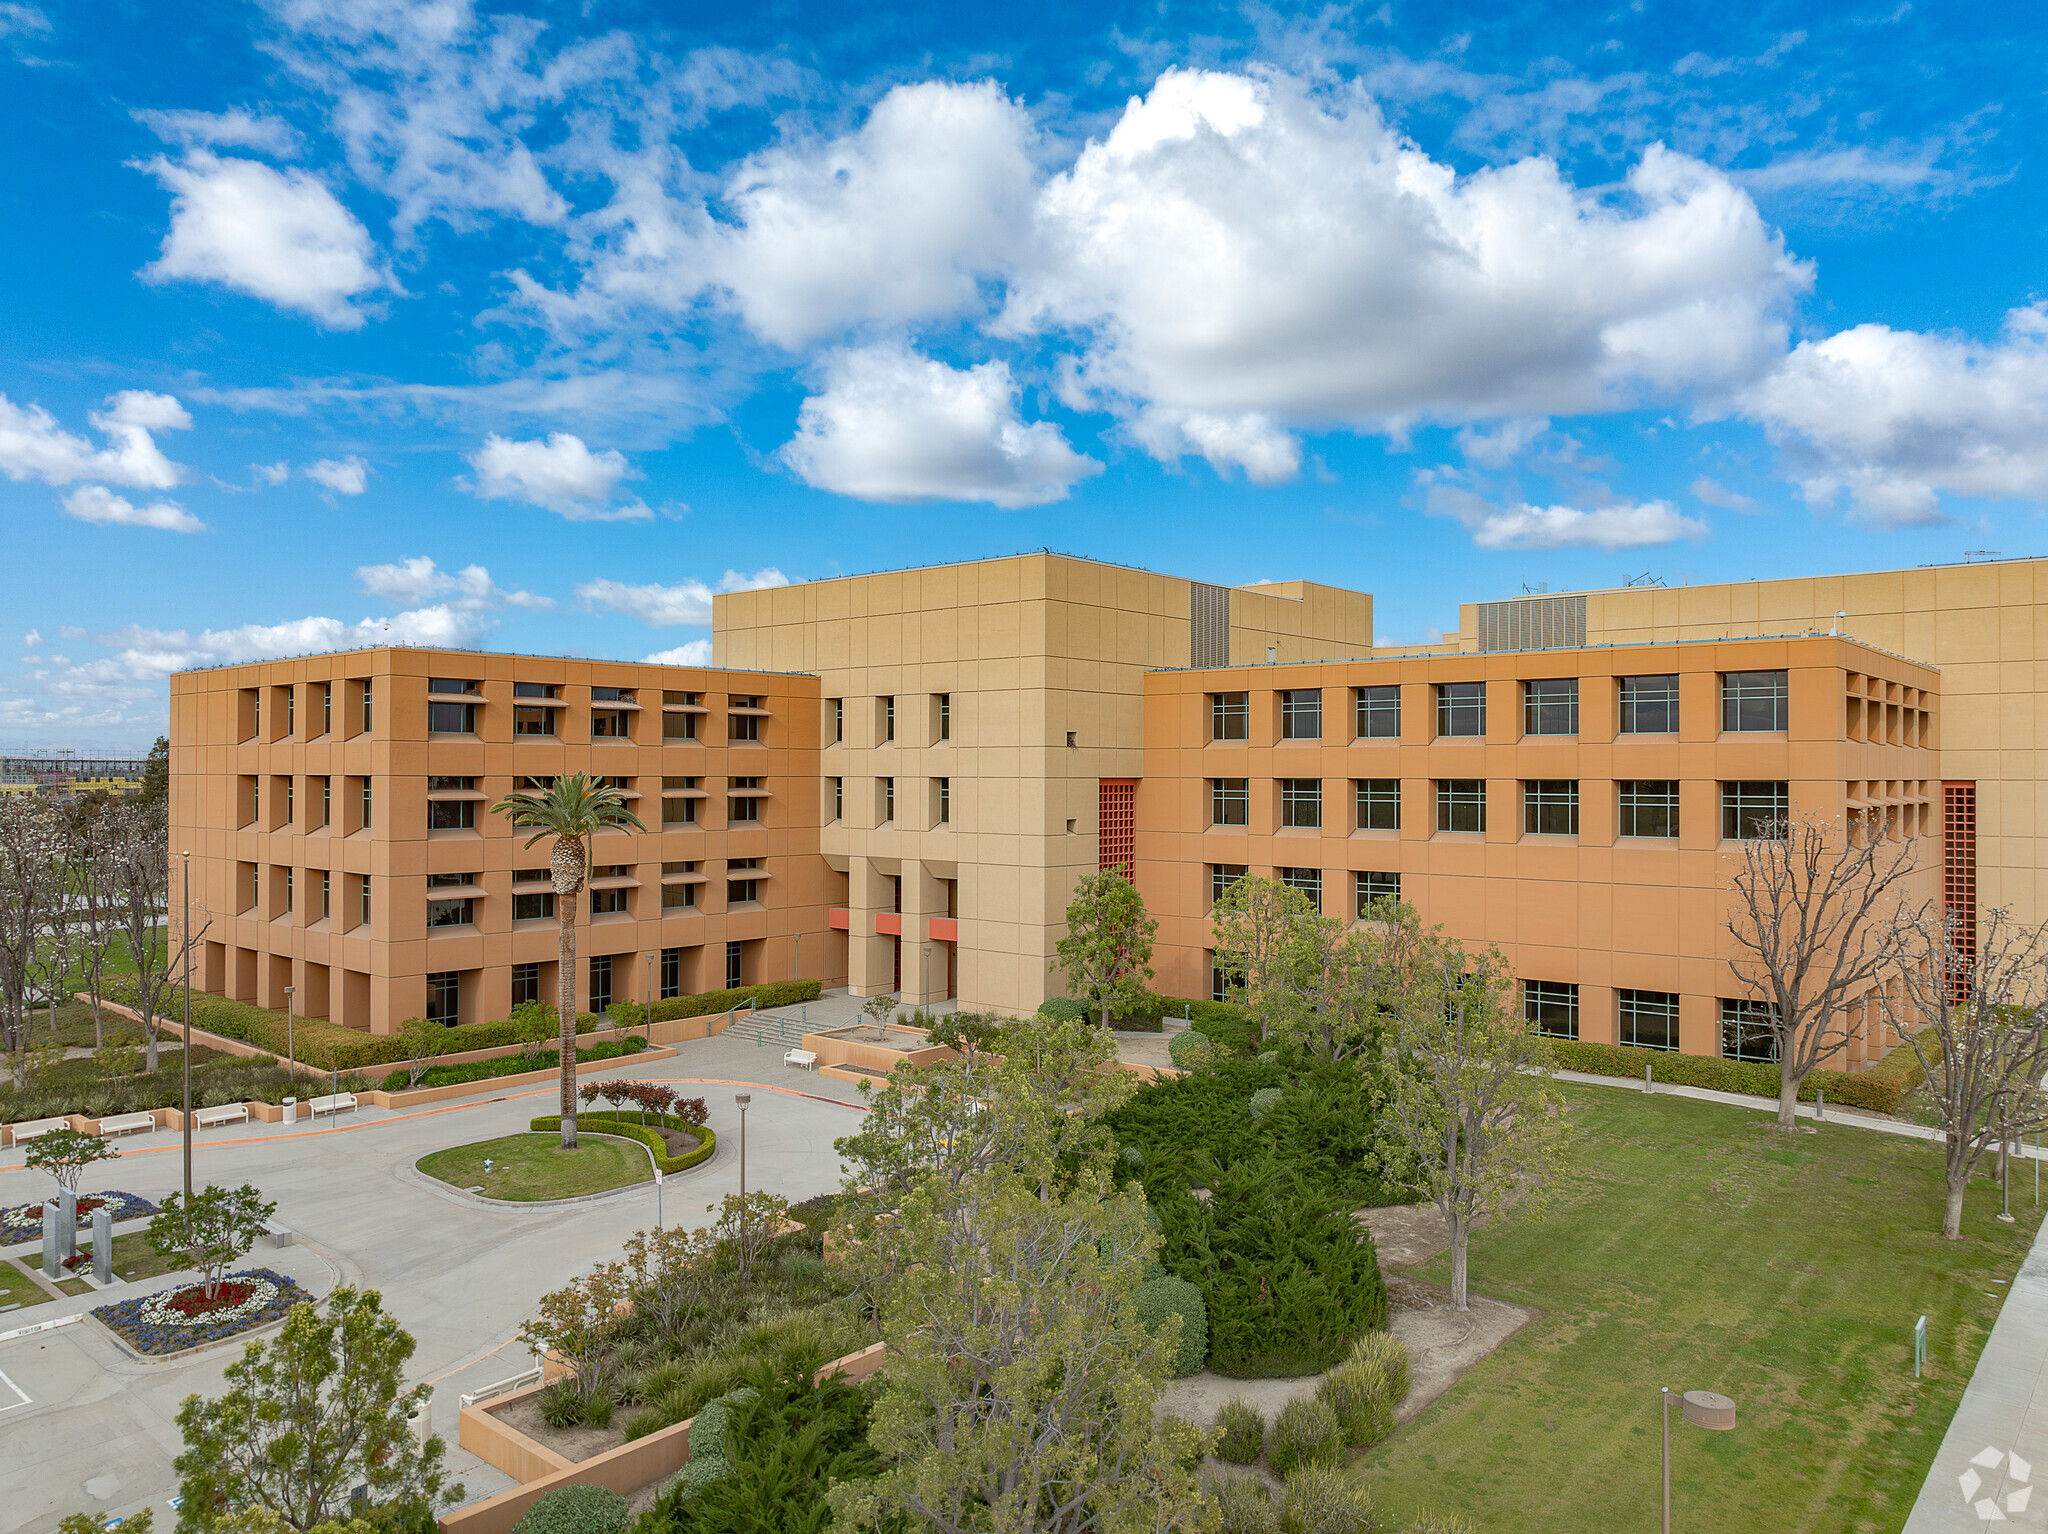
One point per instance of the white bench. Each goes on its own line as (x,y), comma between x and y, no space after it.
(127,1124)
(803,1058)
(338,1102)
(226,1113)
(277,1234)
(29,1129)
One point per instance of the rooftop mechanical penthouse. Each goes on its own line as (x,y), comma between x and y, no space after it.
(902,795)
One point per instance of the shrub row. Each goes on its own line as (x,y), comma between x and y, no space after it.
(1229,1025)
(782,993)
(1878,1089)
(213,1086)
(630,1128)
(510,1065)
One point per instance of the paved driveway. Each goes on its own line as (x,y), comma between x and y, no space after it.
(97,1431)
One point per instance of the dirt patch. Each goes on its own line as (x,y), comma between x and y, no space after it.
(575,1444)
(1406,1234)
(680,1142)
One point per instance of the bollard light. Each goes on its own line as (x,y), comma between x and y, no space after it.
(1703,1409)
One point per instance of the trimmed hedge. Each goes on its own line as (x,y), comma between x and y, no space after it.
(1155,1300)
(575,1509)
(1879,1089)
(782,993)
(510,1065)
(326,1045)
(630,1128)
(1192,1049)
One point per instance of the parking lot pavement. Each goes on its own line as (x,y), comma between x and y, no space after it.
(98,1432)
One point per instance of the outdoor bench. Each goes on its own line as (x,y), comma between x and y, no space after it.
(804,1058)
(338,1102)
(127,1124)
(226,1113)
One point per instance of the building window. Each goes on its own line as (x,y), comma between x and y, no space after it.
(1649,706)
(671,973)
(838,798)
(945,801)
(1550,807)
(678,726)
(289,877)
(1301,802)
(888,800)
(739,726)
(1551,1008)
(446,785)
(451,913)
(742,891)
(610,723)
(525,983)
(1222,876)
(1379,713)
(444,997)
(365,804)
(1648,1019)
(533,905)
(326,708)
(679,812)
(734,966)
(888,719)
(1229,801)
(447,881)
(1368,887)
(1308,880)
(601,983)
(1378,803)
(611,902)
(451,814)
(532,875)
(1551,707)
(1461,708)
(1301,714)
(535,690)
(678,897)
(1753,700)
(1461,804)
(290,799)
(368,710)
(1230,715)
(460,686)
(326,894)
(1754,811)
(1746,1032)
(326,803)
(612,694)
(1219,980)
(363,900)
(255,801)
(945,716)
(291,711)
(451,718)
(533,721)
(528,784)
(743,807)
(1649,807)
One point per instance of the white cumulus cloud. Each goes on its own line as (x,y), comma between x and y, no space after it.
(891,425)
(96,503)
(1628,525)
(34,446)
(1895,417)
(1243,249)
(695,652)
(343,476)
(686,602)
(236,128)
(1714,493)
(560,473)
(280,236)
(419,580)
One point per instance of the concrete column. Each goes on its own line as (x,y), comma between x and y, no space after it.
(924,896)
(67,1228)
(869,954)
(103,1244)
(53,1256)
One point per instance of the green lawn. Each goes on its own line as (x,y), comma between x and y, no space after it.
(534,1166)
(1694,1246)
(134,1258)
(17,1289)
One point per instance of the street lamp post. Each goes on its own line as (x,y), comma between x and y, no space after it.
(185,938)
(927,997)
(1702,1408)
(290,1056)
(742,1099)
(647,1017)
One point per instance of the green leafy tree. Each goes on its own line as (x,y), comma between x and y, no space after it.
(422,1041)
(572,811)
(141,1521)
(156,774)
(1260,927)
(65,1153)
(1469,1099)
(318,1411)
(218,1227)
(1107,952)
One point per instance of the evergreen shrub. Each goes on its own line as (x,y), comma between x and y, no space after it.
(1152,1302)
(575,1510)
(1305,1433)
(1241,1432)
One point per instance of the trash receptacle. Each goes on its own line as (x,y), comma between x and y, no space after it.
(291,1110)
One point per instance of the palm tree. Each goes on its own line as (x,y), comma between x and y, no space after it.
(574,809)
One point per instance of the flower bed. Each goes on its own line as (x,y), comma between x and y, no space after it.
(24,1222)
(172,1320)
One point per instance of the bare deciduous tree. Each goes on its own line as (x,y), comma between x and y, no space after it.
(1979,1023)
(142,878)
(31,886)
(94,829)
(1814,911)
(1470,1101)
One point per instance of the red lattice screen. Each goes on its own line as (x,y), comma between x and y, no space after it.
(1117,817)
(1959,864)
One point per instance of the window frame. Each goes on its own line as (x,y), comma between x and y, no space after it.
(1297,713)
(1451,797)
(1460,702)
(1629,706)
(1363,881)
(1367,800)
(1739,1028)
(1301,797)
(1228,711)
(1630,803)
(1368,711)
(1226,793)
(1309,881)
(1738,699)
(1629,1004)
(1540,710)
(1544,799)
(1735,815)
(1541,1012)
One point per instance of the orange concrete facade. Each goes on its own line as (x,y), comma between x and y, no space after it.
(337,810)
(1569,887)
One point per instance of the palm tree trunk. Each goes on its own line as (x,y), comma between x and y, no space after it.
(565,1005)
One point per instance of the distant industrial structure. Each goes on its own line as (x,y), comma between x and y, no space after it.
(66,774)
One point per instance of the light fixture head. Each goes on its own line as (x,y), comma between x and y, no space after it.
(1704,1408)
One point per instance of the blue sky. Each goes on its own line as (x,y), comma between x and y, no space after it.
(529,327)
